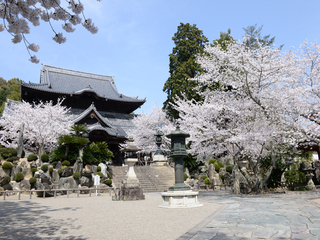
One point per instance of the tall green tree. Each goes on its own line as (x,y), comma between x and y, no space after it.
(10,90)
(189,42)
(224,40)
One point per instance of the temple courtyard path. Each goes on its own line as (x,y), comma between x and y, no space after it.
(294,215)
(96,218)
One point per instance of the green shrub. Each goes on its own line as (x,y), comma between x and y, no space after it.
(32,157)
(229,168)
(222,177)
(213,161)
(32,180)
(108,182)
(8,179)
(203,177)
(44,158)
(185,176)
(65,163)
(294,176)
(207,181)
(19,177)
(33,170)
(109,175)
(6,165)
(76,175)
(60,171)
(44,168)
(221,165)
(54,164)
(98,169)
(191,176)
(8,152)
(100,174)
(217,167)
(51,170)
(63,167)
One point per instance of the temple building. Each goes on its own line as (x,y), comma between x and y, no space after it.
(93,100)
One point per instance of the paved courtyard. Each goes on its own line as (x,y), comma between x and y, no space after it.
(295,215)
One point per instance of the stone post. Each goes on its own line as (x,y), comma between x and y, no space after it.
(20,142)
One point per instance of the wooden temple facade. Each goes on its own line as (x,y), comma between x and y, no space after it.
(93,101)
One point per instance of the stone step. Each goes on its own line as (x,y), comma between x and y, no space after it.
(164,177)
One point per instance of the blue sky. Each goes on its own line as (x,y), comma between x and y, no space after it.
(135,38)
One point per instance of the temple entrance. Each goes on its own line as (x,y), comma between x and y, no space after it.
(113,144)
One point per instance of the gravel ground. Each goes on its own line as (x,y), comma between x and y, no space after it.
(96,218)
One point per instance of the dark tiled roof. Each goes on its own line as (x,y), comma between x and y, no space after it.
(117,126)
(64,81)
(116,132)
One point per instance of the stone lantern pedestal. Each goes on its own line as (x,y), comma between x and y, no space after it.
(130,188)
(309,176)
(131,179)
(179,195)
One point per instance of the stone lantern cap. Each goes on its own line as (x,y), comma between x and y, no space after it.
(131,147)
(158,134)
(178,142)
(178,133)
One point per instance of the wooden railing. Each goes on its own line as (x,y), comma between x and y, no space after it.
(77,190)
(213,187)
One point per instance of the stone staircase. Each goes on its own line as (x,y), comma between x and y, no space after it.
(151,178)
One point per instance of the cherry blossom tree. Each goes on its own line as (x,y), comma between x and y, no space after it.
(303,106)
(43,124)
(17,14)
(147,125)
(252,116)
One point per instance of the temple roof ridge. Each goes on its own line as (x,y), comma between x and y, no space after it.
(78,73)
(65,81)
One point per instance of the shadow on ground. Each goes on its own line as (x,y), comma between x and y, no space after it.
(31,220)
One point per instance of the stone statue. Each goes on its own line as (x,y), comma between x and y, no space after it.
(20,142)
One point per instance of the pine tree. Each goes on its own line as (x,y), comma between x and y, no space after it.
(252,34)
(189,42)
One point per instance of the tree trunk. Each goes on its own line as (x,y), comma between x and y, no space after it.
(236,182)
(67,150)
(40,152)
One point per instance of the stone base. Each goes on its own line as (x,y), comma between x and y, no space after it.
(128,194)
(311,185)
(180,199)
(159,160)
(132,194)
(159,163)
(131,183)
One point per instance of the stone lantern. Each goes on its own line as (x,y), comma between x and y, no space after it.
(179,195)
(158,158)
(309,177)
(130,188)
(130,159)
(158,136)
(178,153)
